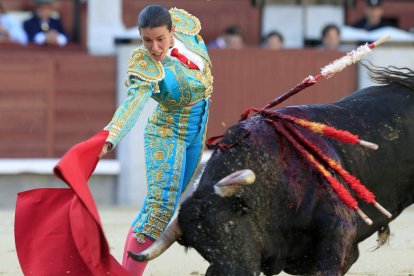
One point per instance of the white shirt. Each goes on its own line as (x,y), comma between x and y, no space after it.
(183,49)
(16,32)
(40,39)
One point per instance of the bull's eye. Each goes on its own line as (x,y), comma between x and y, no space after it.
(229,226)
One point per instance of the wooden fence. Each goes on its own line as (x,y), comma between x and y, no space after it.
(52,99)
(254,77)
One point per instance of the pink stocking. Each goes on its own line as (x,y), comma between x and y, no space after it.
(133,267)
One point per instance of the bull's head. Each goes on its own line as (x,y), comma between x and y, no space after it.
(220,231)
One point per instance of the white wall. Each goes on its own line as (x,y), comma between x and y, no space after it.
(318,16)
(286,19)
(297,22)
(104,22)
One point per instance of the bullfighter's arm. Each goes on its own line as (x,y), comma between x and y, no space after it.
(125,117)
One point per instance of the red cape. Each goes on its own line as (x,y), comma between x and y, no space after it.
(58,230)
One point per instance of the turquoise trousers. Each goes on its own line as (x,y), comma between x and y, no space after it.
(174,142)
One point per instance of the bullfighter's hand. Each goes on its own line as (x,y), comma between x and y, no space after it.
(105,149)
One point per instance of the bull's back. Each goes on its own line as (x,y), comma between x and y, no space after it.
(383,115)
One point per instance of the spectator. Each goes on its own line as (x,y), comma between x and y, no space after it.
(373,17)
(231,38)
(331,37)
(273,41)
(43,28)
(10,29)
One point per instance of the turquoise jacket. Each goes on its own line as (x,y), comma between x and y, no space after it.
(175,133)
(169,82)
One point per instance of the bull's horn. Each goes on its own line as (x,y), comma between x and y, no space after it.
(170,235)
(234,182)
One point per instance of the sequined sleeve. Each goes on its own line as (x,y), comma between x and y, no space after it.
(127,114)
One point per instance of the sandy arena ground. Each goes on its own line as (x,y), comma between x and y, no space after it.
(396,258)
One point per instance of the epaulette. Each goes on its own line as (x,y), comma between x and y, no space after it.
(143,66)
(185,22)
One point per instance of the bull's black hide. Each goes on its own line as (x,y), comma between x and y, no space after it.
(289,219)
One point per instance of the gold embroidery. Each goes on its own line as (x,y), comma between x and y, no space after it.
(185,22)
(207,80)
(159,155)
(158,175)
(161,215)
(139,55)
(126,114)
(143,66)
(157,222)
(140,237)
(164,131)
(176,19)
(170,120)
(199,38)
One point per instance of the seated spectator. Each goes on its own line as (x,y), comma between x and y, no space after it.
(231,38)
(43,28)
(10,29)
(331,37)
(273,41)
(373,17)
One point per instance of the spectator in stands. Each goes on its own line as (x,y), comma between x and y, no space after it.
(373,17)
(10,29)
(273,41)
(44,28)
(231,38)
(331,38)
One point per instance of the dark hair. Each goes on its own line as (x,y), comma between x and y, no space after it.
(273,33)
(328,27)
(153,16)
(373,3)
(233,30)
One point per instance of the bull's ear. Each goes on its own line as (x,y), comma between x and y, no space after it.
(234,182)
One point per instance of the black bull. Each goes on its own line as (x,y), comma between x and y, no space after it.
(289,219)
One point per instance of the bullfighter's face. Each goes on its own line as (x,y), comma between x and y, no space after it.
(158,40)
